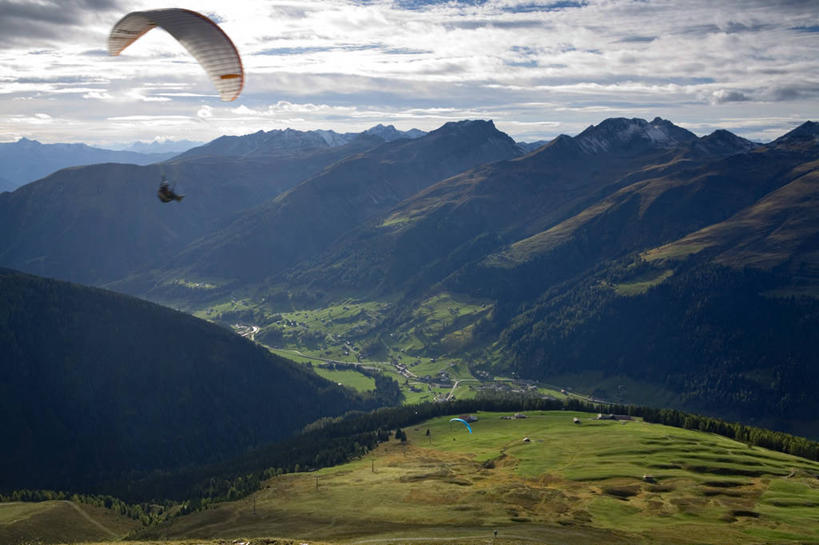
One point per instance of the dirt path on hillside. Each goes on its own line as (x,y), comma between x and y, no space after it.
(555,535)
(87,517)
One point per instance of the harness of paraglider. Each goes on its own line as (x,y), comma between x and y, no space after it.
(166,192)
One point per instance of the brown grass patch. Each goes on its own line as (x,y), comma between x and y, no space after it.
(744,513)
(621,492)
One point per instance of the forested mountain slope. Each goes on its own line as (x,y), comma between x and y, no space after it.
(95,386)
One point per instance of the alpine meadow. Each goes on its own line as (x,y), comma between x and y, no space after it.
(391,272)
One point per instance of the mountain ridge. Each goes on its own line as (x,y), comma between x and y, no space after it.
(347,193)
(517,198)
(285,141)
(101,223)
(27,160)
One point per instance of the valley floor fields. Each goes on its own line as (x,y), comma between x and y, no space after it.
(342,341)
(539,479)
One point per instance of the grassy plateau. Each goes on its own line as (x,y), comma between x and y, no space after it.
(541,479)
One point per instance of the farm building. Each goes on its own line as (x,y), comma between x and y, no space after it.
(602,416)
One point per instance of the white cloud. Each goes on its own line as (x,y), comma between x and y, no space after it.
(205,112)
(98,95)
(338,63)
(150,118)
(728,95)
(35,119)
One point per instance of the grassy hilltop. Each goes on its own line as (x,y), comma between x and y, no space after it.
(597,481)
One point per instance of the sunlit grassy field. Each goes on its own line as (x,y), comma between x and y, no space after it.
(347,377)
(593,482)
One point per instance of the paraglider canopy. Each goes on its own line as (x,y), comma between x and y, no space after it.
(465,423)
(203,39)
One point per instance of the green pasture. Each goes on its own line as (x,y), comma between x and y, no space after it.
(348,378)
(642,284)
(339,319)
(349,331)
(294,355)
(59,521)
(415,391)
(674,250)
(426,394)
(215,310)
(440,311)
(551,392)
(194,285)
(592,482)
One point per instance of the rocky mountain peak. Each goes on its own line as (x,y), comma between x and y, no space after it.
(390,133)
(806,133)
(726,142)
(622,134)
(466,126)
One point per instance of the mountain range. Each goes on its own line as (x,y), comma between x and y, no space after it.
(287,141)
(161,146)
(635,259)
(27,160)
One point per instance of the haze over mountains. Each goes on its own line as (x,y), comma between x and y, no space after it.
(161,146)
(109,212)
(636,257)
(27,160)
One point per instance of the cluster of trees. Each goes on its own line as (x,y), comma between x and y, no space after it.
(773,440)
(146,513)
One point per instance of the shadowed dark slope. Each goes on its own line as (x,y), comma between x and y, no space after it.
(94,385)
(307,219)
(102,223)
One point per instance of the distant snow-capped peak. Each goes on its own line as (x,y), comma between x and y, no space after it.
(620,133)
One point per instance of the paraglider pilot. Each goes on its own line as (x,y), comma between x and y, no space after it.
(165,193)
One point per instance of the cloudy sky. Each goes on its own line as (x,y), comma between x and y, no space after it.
(536,68)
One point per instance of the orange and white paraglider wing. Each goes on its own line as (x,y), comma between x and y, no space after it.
(203,39)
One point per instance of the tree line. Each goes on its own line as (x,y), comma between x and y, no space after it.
(146,513)
(333,441)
